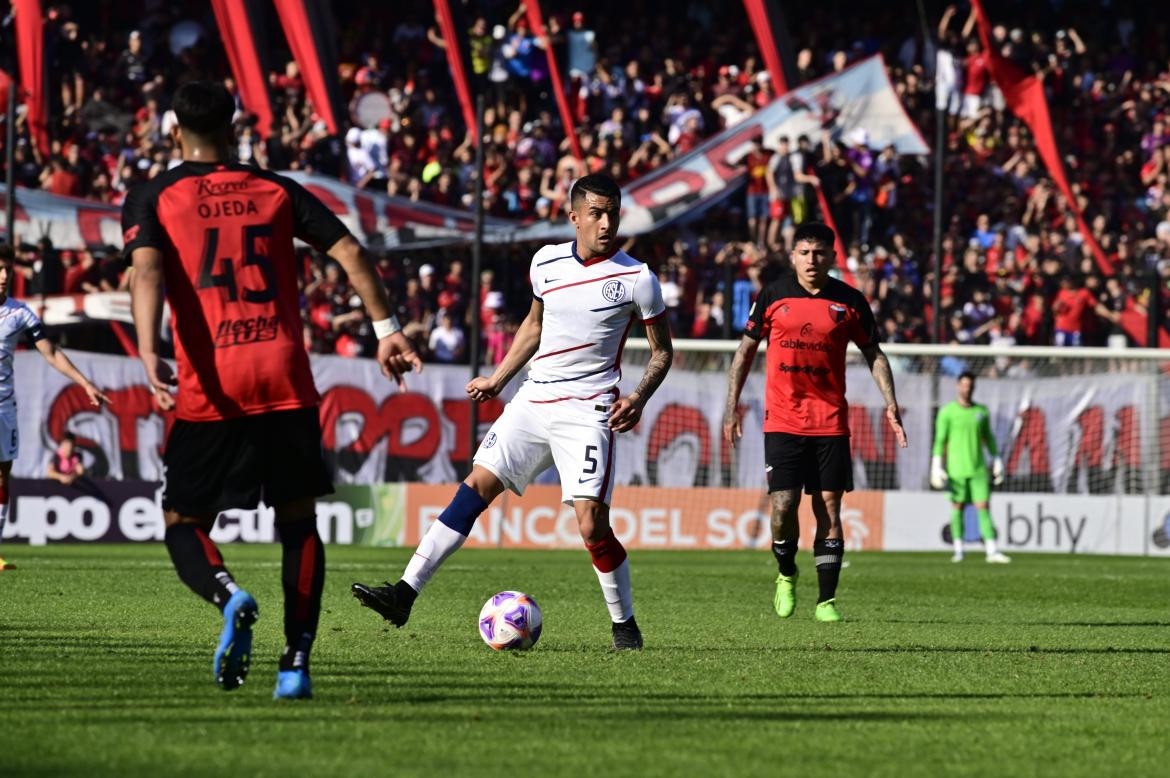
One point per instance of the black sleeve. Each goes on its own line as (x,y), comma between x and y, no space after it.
(35,332)
(865,332)
(140,225)
(313,222)
(757,323)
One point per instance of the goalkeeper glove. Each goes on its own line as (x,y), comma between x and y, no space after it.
(997,474)
(938,476)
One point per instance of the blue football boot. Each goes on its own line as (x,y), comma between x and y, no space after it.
(233,656)
(293,685)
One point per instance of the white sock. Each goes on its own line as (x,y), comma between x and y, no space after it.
(958,546)
(619,597)
(439,543)
(989,544)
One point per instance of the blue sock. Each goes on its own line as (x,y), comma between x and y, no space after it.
(444,537)
(463,510)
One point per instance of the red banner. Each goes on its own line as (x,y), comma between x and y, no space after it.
(1024,95)
(455,62)
(772,39)
(6,84)
(240,44)
(308,28)
(30,47)
(536,21)
(838,246)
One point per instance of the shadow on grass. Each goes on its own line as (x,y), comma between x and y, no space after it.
(942,622)
(467,695)
(487,711)
(914,649)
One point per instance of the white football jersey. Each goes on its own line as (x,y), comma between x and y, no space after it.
(589,308)
(15,319)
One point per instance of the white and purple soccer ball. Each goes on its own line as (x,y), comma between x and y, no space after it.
(510,620)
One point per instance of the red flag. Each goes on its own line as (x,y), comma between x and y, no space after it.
(310,31)
(536,22)
(838,246)
(772,38)
(237,27)
(30,48)
(1135,325)
(455,63)
(5,85)
(1024,95)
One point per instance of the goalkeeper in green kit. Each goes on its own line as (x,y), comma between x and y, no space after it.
(961,431)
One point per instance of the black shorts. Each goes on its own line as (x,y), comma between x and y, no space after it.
(816,464)
(214,466)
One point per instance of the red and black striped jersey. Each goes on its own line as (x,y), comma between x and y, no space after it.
(226,235)
(807,338)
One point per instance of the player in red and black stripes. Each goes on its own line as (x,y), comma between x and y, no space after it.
(809,318)
(218,237)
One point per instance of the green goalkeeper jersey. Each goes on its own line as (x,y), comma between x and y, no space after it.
(961,433)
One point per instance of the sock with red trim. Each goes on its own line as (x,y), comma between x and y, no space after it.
(303,576)
(613,572)
(199,564)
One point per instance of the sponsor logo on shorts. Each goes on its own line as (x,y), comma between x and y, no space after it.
(613,291)
(806,369)
(254,329)
(490,440)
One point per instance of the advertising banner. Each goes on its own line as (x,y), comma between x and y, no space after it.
(642,517)
(917,521)
(44,511)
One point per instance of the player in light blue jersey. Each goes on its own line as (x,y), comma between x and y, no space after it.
(17,319)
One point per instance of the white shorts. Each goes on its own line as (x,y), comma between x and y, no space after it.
(574,435)
(9,437)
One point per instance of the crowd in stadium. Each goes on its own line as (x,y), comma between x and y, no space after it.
(1016,269)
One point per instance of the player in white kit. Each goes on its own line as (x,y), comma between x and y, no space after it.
(586,296)
(17,319)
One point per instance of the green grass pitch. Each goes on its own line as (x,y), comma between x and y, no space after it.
(1048,666)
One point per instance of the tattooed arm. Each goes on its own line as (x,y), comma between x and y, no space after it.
(626,412)
(879,367)
(741,365)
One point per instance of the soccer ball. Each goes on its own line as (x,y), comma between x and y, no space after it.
(510,620)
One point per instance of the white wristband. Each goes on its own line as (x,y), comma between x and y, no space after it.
(384,328)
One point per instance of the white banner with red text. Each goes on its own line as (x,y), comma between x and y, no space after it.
(1056,435)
